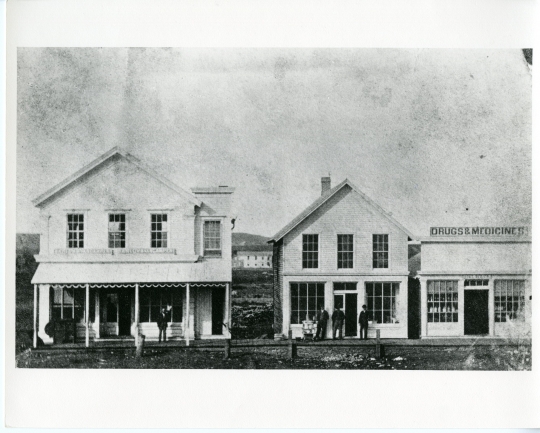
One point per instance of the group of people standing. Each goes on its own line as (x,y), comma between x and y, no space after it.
(338,319)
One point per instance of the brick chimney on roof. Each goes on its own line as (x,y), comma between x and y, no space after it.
(326,184)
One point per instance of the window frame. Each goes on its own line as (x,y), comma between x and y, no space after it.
(517,315)
(63,305)
(378,252)
(318,252)
(84,222)
(345,252)
(393,308)
(319,285)
(438,303)
(203,249)
(160,212)
(169,300)
(125,229)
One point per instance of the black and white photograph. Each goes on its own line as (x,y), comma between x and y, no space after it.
(274,208)
(249,215)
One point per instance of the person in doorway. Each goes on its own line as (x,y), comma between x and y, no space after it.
(163,322)
(363,321)
(322,320)
(337,323)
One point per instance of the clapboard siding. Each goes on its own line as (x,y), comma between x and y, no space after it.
(346,213)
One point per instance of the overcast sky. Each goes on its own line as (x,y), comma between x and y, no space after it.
(436,137)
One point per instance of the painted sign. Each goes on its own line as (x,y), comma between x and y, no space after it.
(478,231)
(115,251)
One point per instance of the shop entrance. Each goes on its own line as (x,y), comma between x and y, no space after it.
(124,312)
(348,302)
(218,302)
(476,312)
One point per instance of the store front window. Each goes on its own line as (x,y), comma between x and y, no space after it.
(509,300)
(442,301)
(306,299)
(381,302)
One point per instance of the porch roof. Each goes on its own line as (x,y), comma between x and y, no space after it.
(114,273)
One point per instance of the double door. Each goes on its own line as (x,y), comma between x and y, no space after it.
(348,302)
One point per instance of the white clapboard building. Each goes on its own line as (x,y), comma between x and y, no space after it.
(476,281)
(119,242)
(343,250)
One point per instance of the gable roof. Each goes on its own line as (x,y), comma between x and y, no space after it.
(115,151)
(327,196)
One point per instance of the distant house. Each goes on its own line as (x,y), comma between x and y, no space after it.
(343,250)
(119,242)
(252,257)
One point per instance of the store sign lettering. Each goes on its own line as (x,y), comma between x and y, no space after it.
(478,231)
(113,251)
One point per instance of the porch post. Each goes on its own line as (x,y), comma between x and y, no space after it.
(186,317)
(227,314)
(97,318)
(423,308)
(87,314)
(35,314)
(136,313)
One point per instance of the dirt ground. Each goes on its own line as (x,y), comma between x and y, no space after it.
(396,358)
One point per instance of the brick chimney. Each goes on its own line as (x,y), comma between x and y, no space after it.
(326,184)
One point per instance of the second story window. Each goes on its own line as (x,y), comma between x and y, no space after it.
(310,251)
(75,230)
(159,230)
(117,230)
(345,251)
(212,238)
(380,251)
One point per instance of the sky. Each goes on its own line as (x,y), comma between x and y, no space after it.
(437,137)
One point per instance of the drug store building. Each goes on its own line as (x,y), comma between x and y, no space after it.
(343,250)
(119,242)
(476,281)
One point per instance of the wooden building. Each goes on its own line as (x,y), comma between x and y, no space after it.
(476,281)
(119,242)
(343,250)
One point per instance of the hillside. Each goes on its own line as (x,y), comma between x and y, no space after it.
(242,239)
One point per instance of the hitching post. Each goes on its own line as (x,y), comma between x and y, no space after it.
(292,346)
(140,344)
(227,347)
(378,349)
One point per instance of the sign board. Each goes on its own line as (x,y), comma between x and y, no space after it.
(115,251)
(478,231)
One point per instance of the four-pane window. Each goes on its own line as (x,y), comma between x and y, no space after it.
(68,303)
(509,300)
(306,300)
(345,251)
(117,230)
(212,238)
(159,230)
(381,302)
(380,251)
(75,230)
(310,251)
(442,301)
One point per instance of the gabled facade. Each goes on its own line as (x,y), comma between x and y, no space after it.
(119,242)
(344,250)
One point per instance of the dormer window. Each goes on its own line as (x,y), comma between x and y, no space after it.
(75,230)
(117,230)
(212,238)
(159,230)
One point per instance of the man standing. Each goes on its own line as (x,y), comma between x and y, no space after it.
(337,323)
(322,320)
(363,321)
(162,322)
